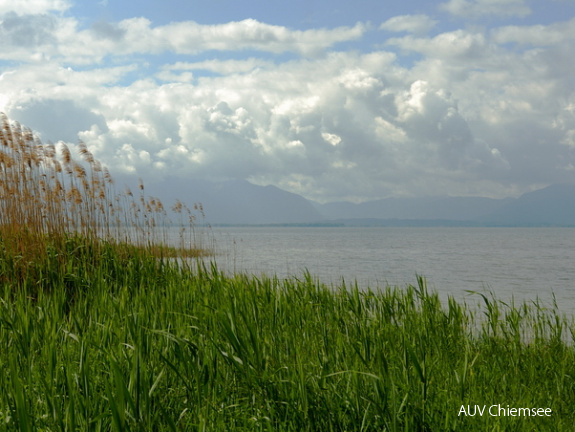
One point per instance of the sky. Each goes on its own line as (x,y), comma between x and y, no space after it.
(333,100)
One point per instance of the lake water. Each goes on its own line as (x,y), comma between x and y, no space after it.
(519,263)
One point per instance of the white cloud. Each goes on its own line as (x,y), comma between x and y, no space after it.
(473,113)
(57,37)
(49,80)
(24,7)
(224,67)
(537,35)
(479,8)
(457,44)
(409,23)
(190,37)
(333,139)
(346,125)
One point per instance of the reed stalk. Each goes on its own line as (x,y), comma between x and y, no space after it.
(48,196)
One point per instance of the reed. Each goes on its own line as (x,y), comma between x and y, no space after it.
(153,348)
(49,198)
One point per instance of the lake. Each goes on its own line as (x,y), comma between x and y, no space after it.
(519,263)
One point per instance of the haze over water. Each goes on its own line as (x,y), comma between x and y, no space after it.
(519,263)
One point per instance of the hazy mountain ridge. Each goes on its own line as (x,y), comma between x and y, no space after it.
(440,208)
(238,202)
(550,206)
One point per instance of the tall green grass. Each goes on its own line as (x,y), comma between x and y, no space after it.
(98,334)
(161,347)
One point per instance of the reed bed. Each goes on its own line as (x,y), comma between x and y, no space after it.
(97,334)
(53,204)
(147,348)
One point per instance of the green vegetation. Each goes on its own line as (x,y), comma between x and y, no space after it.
(137,344)
(47,198)
(101,332)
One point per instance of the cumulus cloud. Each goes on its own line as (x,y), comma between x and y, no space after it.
(106,30)
(26,7)
(223,67)
(61,37)
(58,119)
(347,125)
(27,31)
(537,35)
(479,8)
(471,114)
(409,23)
(457,44)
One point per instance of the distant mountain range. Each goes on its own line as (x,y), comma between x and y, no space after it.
(239,202)
(439,208)
(243,203)
(551,206)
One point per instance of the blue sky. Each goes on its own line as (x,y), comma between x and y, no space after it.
(296,14)
(332,100)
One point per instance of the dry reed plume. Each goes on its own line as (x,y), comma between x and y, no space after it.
(45,193)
